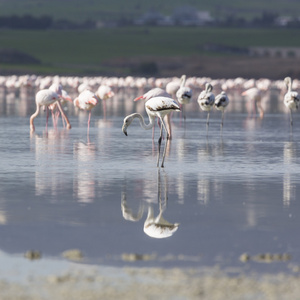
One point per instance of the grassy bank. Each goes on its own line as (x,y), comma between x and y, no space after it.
(109,50)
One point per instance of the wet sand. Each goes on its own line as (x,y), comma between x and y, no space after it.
(82,282)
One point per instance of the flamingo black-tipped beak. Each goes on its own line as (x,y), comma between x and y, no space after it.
(124,129)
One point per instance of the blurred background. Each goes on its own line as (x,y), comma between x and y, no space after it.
(253,39)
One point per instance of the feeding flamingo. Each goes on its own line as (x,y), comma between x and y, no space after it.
(156,92)
(155,107)
(45,98)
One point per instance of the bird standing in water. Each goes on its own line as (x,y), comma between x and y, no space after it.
(291,98)
(184,94)
(45,98)
(155,107)
(206,100)
(221,102)
(86,100)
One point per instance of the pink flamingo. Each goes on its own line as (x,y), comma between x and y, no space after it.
(45,98)
(86,100)
(104,93)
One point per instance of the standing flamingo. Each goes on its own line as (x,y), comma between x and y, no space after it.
(206,100)
(221,102)
(86,100)
(155,107)
(104,93)
(184,94)
(254,95)
(291,98)
(45,98)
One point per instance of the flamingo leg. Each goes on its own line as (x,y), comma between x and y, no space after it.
(169,129)
(159,142)
(165,150)
(47,117)
(63,115)
(291,118)
(89,121)
(207,123)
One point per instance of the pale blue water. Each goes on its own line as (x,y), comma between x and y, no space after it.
(231,193)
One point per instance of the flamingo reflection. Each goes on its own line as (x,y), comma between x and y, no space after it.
(289,187)
(154,226)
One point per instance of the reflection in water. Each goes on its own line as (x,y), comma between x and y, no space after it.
(289,188)
(47,148)
(84,178)
(155,227)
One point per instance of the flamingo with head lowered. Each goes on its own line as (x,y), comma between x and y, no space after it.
(47,97)
(155,107)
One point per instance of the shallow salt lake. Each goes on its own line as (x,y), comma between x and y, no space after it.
(229,194)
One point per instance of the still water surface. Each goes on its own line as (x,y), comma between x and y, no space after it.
(230,194)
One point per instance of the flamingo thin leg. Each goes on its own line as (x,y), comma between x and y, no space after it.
(64,115)
(159,142)
(165,150)
(207,123)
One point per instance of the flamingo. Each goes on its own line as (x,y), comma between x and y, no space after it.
(206,100)
(45,98)
(254,94)
(64,97)
(86,100)
(184,94)
(156,92)
(155,107)
(104,92)
(221,102)
(291,98)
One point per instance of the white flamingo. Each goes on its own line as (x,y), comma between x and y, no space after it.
(104,93)
(156,92)
(155,107)
(45,98)
(291,98)
(206,100)
(221,102)
(86,100)
(184,94)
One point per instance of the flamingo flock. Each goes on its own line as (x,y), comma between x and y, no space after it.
(162,96)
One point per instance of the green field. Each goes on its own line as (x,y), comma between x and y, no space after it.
(91,51)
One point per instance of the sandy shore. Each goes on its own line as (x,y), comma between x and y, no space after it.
(99,282)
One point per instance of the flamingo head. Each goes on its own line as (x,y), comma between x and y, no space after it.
(287,81)
(127,122)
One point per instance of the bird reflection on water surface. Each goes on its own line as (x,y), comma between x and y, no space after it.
(155,227)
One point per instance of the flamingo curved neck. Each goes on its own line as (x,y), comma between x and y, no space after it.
(182,81)
(142,121)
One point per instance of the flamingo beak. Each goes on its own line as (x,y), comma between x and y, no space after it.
(138,98)
(124,129)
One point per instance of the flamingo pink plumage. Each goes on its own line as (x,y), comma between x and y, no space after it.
(86,100)
(45,98)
